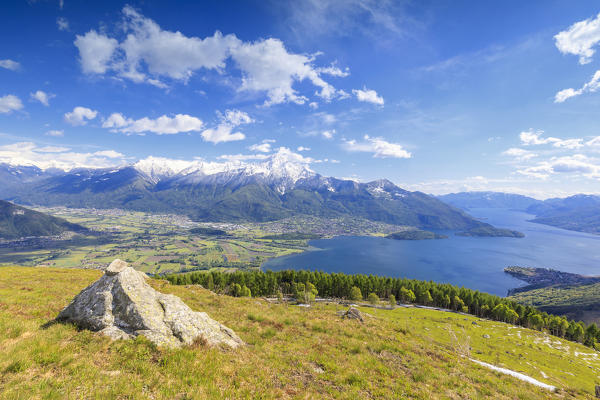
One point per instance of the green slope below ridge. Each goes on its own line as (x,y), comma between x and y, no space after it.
(17,222)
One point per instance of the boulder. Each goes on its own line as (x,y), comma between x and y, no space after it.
(121,305)
(353,313)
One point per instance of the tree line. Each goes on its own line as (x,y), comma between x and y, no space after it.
(305,285)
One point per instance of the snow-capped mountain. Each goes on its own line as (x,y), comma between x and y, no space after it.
(279,186)
(283,169)
(158,168)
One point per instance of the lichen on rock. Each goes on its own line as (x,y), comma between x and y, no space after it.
(122,305)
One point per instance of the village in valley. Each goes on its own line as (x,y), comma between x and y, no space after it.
(165,243)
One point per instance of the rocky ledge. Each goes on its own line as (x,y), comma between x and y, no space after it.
(121,305)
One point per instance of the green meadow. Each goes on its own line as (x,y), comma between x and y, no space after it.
(291,352)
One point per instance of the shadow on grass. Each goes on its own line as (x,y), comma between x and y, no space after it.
(50,323)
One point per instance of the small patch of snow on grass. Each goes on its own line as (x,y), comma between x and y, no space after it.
(517,375)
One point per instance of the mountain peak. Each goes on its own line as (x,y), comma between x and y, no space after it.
(283,168)
(157,168)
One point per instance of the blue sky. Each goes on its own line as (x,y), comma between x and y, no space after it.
(436,96)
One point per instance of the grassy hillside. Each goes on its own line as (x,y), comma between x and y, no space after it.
(292,352)
(17,222)
(579,302)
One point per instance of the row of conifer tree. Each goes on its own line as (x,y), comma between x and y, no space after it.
(305,285)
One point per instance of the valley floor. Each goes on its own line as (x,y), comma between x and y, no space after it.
(163,243)
(292,352)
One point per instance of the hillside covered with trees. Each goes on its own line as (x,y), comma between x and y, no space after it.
(342,286)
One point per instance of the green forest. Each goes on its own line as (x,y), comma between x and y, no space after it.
(359,286)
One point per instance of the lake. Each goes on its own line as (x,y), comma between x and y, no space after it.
(473,262)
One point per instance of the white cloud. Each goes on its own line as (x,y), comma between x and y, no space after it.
(224,130)
(313,105)
(378,146)
(243,157)
(222,133)
(369,96)
(302,148)
(382,21)
(42,97)
(535,138)
(328,134)
(520,154)
(284,158)
(157,83)
(95,52)
(163,125)
(28,153)
(268,67)
(10,64)
(577,164)
(53,149)
(109,154)
(334,71)
(168,53)
(55,132)
(542,171)
(148,52)
(565,94)
(285,155)
(62,24)
(590,87)
(80,116)
(580,39)
(237,117)
(10,103)
(343,95)
(569,143)
(545,164)
(264,147)
(327,118)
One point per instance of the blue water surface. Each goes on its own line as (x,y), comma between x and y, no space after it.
(473,262)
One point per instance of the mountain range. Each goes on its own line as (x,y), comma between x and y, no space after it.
(275,188)
(580,212)
(468,200)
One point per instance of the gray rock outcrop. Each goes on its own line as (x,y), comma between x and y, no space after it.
(352,313)
(122,305)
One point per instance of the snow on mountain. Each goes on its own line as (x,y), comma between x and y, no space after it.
(283,168)
(384,188)
(157,168)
